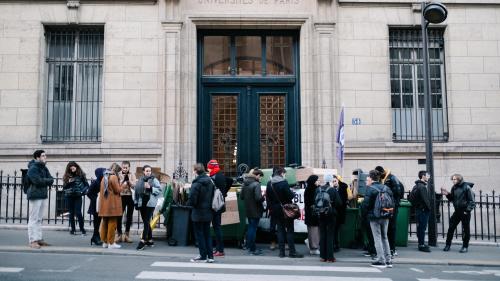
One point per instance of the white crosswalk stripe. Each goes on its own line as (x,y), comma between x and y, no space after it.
(272,272)
(11,269)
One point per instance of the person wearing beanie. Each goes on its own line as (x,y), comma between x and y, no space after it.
(327,219)
(220,182)
(311,220)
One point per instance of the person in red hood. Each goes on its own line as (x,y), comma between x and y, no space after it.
(220,182)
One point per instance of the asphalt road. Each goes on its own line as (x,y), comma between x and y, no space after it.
(55,267)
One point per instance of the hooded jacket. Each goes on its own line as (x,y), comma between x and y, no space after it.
(40,179)
(392,182)
(462,197)
(422,200)
(94,189)
(251,194)
(200,198)
(370,197)
(278,193)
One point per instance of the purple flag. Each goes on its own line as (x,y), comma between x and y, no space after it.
(340,138)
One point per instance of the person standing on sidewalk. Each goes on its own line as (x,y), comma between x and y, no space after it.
(200,199)
(39,181)
(378,224)
(93,193)
(147,192)
(393,183)
(311,219)
(110,206)
(278,194)
(341,188)
(75,185)
(420,200)
(127,182)
(221,183)
(251,194)
(327,200)
(463,201)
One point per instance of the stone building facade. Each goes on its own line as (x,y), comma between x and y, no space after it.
(142,84)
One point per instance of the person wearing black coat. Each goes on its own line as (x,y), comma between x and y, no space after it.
(200,199)
(220,182)
(94,188)
(422,209)
(311,219)
(327,221)
(75,185)
(463,201)
(341,188)
(278,193)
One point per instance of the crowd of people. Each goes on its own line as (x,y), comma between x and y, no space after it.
(116,192)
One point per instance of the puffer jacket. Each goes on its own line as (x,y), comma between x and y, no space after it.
(251,194)
(462,197)
(200,198)
(40,179)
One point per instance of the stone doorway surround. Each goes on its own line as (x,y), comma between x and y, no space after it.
(317,86)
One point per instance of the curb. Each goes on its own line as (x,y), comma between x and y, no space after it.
(131,253)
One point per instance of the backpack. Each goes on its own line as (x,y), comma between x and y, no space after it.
(322,202)
(401,190)
(25,181)
(412,196)
(384,204)
(217,200)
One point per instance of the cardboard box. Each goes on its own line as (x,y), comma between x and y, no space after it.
(303,173)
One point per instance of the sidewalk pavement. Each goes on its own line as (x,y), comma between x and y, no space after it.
(13,238)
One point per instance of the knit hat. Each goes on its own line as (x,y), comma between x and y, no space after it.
(328,178)
(212,164)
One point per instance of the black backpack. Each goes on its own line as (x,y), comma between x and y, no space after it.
(25,180)
(323,202)
(384,204)
(413,196)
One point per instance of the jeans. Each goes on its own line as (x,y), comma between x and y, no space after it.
(128,205)
(285,231)
(37,207)
(146,215)
(216,223)
(379,230)
(204,239)
(391,231)
(251,233)
(75,207)
(457,217)
(326,238)
(422,217)
(365,225)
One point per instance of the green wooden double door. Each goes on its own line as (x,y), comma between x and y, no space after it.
(256,125)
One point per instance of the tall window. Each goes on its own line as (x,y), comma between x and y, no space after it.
(407,86)
(74,60)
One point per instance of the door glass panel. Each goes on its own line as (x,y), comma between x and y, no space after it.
(248,55)
(224,132)
(272,131)
(279,54)
(216,55)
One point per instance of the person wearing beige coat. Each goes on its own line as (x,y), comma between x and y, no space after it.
(110,206)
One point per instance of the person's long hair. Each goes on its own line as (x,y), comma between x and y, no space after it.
(68,174)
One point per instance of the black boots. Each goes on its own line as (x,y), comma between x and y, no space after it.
(96,240)
(446,248)
(463,250)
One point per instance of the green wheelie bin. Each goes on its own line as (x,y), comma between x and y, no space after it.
(402,223)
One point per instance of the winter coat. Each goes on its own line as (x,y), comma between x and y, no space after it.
(392,182)
(220,182)
(110,205)
(280,195)
(462,197)
(94,189)
(75,186)
(342,206)
(40,179)
(127,187)
(309,199)
(151,195)
(370,197)
(200,198)
(251,194)
(422,197)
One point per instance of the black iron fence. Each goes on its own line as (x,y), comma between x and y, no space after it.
(483,225)
(14,206)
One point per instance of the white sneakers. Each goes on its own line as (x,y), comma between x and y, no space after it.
(104,245)
(114,246)
(314,252)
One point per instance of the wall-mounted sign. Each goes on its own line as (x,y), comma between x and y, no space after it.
(356,121)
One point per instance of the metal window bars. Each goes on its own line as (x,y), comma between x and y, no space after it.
(74,59)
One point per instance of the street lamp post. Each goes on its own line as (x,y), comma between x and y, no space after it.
(431,13)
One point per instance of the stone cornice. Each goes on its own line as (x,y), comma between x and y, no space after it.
(249,21)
